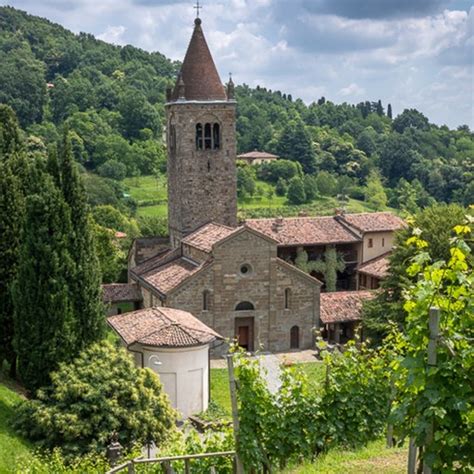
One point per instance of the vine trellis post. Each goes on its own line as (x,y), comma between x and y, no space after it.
(431,362)
(235,413)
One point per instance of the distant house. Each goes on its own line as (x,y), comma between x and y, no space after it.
(257,157)
(121,297)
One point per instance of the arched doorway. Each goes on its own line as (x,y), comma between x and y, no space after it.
(244,325)
(295,337)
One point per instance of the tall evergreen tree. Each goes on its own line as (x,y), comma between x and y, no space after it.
(296,144)
(11,226)
(86,295)
(44,318)
(389,111)
(9,131)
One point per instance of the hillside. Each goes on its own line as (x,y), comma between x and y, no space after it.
(112,99)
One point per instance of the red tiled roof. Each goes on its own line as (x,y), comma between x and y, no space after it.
(377,267)
(207,235)
(343,306)
(304,230)
(162,327)
(373,221)
(121,292)
(257,155)
(171,274)
(198,72)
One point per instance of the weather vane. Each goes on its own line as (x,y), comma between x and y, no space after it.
(198,7)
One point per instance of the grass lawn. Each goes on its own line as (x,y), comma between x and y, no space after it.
(374,458)
(12,447)
(150,194)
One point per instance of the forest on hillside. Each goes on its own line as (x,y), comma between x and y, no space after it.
(111,99)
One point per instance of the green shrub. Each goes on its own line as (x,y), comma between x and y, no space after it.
(98,393)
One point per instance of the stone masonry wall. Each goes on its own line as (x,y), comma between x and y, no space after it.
(202,184)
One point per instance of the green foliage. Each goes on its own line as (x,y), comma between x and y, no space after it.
(310,187)
(439,396)
(410,118)
(375,194)
(304,419)
(113,169)
(99,392)
(84,284)
(326,183)
(112,258)
(281,187)
(279,169)
(111,218)
(44,318)
(331,263)
(246,181)
(296,191)
(435,225)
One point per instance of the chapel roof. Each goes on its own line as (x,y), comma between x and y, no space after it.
(162,327)
(304,230)
(198,71)
(207,235)
(343,306)
(373,221)
(376,267)
(121,292)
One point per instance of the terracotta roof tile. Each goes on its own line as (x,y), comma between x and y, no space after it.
(377,267)
(121,292)
(373,221)
(343,306)
(168,276)
(198,72)
(207,235)
(156,261)
(162,327)
(304,230)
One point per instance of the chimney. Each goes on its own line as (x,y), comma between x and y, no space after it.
(278,224)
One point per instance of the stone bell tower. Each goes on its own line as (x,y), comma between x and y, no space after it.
(201,139)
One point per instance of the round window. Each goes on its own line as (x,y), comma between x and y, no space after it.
(245,269)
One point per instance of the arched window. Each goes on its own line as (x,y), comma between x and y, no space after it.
(205,300)
(207,137)
(244,306)
(199,142)
(216,139)
(287,298)
(295,337)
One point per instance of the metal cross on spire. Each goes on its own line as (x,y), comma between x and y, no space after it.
(197,7)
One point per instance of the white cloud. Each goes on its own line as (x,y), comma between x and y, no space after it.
(113,34)
(352,90)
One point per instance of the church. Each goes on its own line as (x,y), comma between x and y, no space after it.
(238,278)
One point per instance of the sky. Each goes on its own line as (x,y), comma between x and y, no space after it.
(410,53)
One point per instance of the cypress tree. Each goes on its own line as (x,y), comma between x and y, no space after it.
(43,318)
(11,226)
(85,286)
(9,131)
(296,193)
(389,111)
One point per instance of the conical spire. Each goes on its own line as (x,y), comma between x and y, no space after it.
(198,71)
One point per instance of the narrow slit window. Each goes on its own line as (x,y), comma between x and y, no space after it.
(287,298)
(216,139)
(205,300)
(207,137)
(199,142)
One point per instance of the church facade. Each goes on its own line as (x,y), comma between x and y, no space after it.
(238,279)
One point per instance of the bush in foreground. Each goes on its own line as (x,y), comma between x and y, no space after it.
(100,392)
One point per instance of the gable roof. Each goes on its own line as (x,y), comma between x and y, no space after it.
(372,221)
(121,292)
(165,278)
(162,327)
(304,230)
(377,267)
(343,306)
(207,235)
(198,72)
